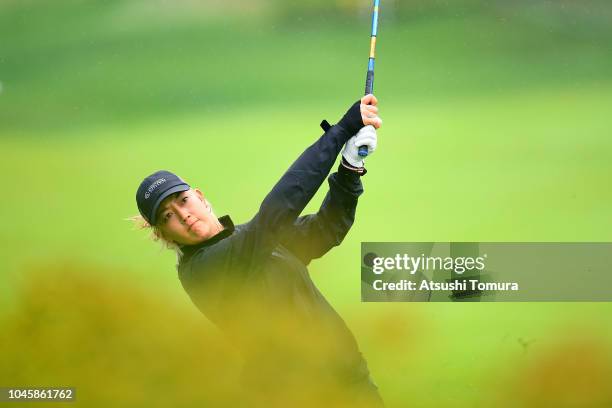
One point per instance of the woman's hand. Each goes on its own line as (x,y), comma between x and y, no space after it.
(369,111)
(365,137)
(362,113)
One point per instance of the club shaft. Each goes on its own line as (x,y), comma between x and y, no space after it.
(370,74)
(369,85)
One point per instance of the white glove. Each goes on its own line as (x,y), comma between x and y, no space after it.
(365,137)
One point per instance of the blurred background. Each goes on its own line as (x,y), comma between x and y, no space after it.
(497,124)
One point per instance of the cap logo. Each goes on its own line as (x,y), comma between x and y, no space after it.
(153,186)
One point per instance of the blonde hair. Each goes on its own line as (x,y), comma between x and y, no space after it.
(156,235)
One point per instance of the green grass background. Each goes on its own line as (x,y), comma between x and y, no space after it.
(497,127)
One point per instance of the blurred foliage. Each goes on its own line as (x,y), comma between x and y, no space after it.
(75,325)
(574,372)
(115,343)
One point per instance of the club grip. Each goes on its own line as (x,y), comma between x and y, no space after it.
(363,151)
(369,87)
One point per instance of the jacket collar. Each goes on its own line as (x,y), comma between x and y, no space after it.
(228,229)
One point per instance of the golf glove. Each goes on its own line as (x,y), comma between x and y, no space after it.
(365,137)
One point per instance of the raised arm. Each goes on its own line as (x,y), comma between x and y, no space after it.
(295,189)
(312,236)
(290,195)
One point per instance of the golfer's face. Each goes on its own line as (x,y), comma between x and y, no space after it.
(185,218)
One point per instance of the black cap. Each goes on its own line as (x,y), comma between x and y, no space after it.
(154,189)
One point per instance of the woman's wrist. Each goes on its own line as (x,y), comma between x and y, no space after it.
(347,168)
(352,121)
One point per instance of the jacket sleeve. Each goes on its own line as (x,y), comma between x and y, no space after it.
(312,236)
(248,249)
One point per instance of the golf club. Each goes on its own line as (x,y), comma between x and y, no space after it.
(369,87)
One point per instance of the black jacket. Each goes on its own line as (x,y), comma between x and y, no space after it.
(251,279)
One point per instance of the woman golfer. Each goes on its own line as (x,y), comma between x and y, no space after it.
(251,279)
